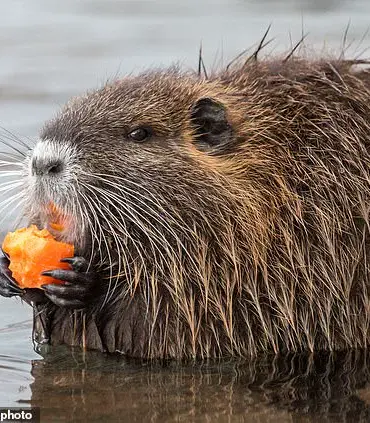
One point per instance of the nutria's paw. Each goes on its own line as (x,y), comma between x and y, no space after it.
(8,286)
(79,287)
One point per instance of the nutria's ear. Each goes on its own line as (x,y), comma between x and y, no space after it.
(210,122)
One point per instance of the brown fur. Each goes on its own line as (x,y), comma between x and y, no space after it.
(259,244)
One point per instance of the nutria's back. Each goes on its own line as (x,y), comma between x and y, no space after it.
(226,216)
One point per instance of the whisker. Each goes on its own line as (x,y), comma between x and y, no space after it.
(134,193)
(91,226)
(6,203)
(11,146)
(7,163)
(156,249)
(174,219)
(17,205)
(8,186)
(125,190)
(96,225)
(91,207)
(104,213)
(5,174)
(145,229)
(14,138)
(12,156)
(120,248)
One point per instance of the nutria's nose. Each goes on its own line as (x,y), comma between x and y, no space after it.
(50,167)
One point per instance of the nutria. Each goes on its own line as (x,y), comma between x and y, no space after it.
(211,217)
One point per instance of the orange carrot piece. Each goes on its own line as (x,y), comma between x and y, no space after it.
(31,251)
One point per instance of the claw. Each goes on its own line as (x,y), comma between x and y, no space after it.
(78,288)
(68,294)
(6,255)
(64,275)
(8,287)
(79,264)
(4,263)
(67,290)
(7,274)
(11,291)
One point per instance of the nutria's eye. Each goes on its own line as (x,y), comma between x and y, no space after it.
(139,134)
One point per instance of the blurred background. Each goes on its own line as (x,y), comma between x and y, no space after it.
(53,49)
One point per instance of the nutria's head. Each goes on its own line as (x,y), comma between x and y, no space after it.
(138,171)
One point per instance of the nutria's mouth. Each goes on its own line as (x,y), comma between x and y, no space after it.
(58,234)
(62,226)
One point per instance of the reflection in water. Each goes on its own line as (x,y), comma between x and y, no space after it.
(299,388)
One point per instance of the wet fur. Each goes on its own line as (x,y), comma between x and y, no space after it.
(258,243)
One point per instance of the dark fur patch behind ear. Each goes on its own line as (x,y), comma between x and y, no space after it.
(210,121)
